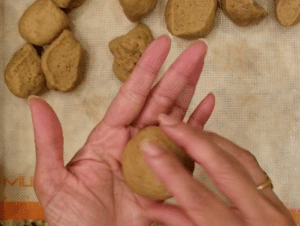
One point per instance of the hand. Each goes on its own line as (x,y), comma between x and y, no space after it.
(90,189)
(235,172)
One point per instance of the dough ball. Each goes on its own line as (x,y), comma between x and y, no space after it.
(128,49)
(69,4)
(138,176)
(190,19)
(42,22)
(244,12)
(62,63)
(287,12)
(23,74)
(135,10)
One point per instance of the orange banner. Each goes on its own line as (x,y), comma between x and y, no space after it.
(21,210)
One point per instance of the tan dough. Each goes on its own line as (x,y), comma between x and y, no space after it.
(190,19)
(23,74)
(42,22)
(138,176)
(244,12)
(62,63)
(69,4)
(288,12)
(128,49)
(135,10)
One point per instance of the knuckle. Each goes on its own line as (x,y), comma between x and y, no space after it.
(131,96)
(249,158)
(147,69)
(161,100)
(227,168)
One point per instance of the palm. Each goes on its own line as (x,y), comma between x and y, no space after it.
(91,190)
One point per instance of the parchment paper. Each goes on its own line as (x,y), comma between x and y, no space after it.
(253,72)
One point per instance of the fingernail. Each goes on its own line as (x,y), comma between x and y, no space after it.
(211,93)
(203,40)
(169,34)
(32,97)
(166,120)
(151,149)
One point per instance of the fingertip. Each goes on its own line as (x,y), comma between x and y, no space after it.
(32,99)
(203,41)
(201,46)
(211,96)
(166,38)
(210,99)
(161,44)
(170,36)
(191,59)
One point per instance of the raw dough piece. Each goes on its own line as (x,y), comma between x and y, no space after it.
(138,176)
(190,19)
(288,12)
(244,12)
(62,63)
(42,22)
(128,49)
(23,74)
(69,4)
(135,10)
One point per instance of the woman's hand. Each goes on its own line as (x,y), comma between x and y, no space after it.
(90,189)
(235,172)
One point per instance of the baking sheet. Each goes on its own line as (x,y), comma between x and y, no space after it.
(253,72)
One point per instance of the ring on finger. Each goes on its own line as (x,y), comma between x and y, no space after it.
(265,184)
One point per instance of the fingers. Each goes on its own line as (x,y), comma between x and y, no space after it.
(181,78)
(48,140)
(228,174)
(203,112)
(132,95)
(168,214)
(199,203)
(182,103)
(248,160)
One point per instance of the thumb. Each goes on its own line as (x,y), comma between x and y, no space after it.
(48,140)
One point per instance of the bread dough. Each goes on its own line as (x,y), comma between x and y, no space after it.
(42,22)
(128,49)
(23,74)
(69,4)
(190,19)
(62,63)
(287,12)
(138,175)
(135,10)
(244,12)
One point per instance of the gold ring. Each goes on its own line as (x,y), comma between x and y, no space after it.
(267,183)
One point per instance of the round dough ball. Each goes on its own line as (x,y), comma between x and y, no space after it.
(42,22)
(138,175)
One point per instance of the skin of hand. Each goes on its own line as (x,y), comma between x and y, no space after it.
(90,189)
(234,171)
